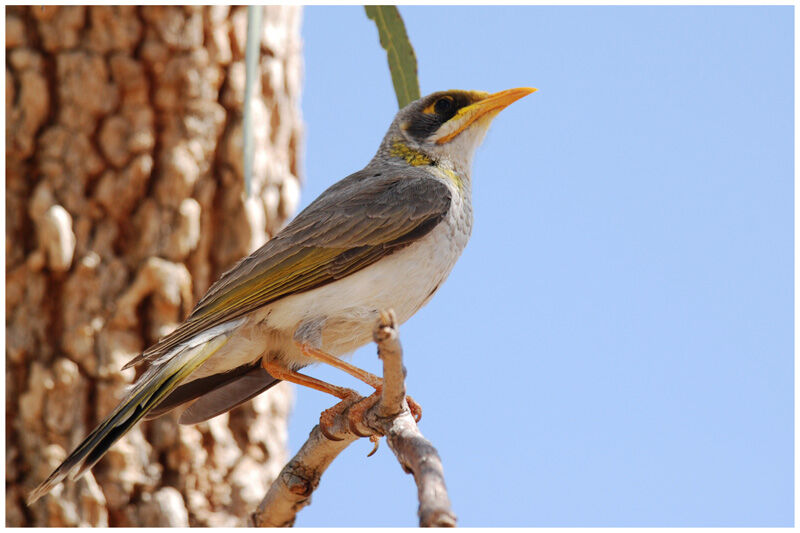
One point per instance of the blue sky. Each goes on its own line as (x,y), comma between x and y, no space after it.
(615,345)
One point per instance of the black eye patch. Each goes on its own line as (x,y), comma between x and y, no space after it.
(437,111)
(422,126)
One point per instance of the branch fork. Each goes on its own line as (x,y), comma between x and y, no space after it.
(389,416)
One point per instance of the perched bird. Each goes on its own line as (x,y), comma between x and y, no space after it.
(384,237)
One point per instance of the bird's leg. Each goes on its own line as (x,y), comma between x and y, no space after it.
(323,357)
(348,396)
(370,379)
(280,372)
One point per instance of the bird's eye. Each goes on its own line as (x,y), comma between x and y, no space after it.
(444,106)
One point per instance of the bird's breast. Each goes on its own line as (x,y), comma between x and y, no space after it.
(404,281)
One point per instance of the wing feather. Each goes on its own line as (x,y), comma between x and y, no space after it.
(353,224)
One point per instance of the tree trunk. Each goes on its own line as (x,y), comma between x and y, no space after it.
(124,202)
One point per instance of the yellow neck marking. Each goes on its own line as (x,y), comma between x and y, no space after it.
(412,157)
(418,159)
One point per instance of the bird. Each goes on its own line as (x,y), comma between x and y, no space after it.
(384,237)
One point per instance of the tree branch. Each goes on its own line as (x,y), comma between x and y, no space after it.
(389,416)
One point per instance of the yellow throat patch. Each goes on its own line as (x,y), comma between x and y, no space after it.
(417,159)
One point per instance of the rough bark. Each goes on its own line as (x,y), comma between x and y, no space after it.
(124,201)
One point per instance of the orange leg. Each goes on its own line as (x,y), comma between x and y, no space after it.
(280,372)
(323,357)
(370,379)
(348,396)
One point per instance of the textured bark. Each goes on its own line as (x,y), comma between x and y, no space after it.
(124,201)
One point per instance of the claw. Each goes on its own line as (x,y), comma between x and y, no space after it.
(328,416)
(324,430)
(376,440)
(414,407)
(356,413)
(326,419)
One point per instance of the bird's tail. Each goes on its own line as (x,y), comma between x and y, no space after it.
(152,387)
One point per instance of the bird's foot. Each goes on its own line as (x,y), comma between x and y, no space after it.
(355,417)
(414,407)
(354,407)
(328,416)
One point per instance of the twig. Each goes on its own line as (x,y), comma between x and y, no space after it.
(292,489)
(414,452)
(391,417)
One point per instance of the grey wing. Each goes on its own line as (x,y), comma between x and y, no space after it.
(353,212)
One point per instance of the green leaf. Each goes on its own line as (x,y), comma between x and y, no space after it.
(402,61)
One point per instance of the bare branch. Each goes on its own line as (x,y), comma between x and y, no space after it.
(390,352)
(389,416)
(291,491)
(414,452)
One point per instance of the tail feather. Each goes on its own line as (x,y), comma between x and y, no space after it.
(226,397)
(189,391)
(153,386)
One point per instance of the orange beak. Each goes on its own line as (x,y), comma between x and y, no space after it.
(494,103)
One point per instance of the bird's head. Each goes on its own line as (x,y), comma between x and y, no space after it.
(446,127)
